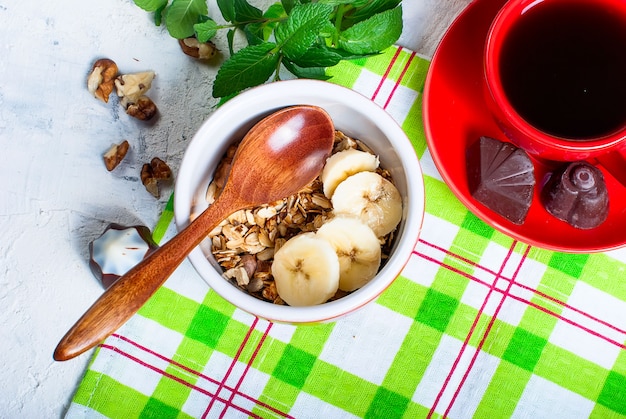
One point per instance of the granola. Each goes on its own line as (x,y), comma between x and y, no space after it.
(244,243)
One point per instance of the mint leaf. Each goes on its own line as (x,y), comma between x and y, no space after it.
(374,34)
(250,66)
(245,12)
(151,5)
(205,30)
(182,15)
(230,36)
(370,9)
(254,33)
(327,30)
(301,29)
(227,9)
(261,31)
(288,5)
(345,55)
(274,14)
(158,15)
(318,56)
(275,11)
(317,73)
(336,2)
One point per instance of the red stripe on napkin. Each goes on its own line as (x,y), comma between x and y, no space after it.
(506,294)
(195,387)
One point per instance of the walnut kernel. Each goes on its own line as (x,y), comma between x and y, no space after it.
(114,156)
(101,79)
(144,109)
(130,87)
(154,172)
(160,169)
(149,181)
(196,49)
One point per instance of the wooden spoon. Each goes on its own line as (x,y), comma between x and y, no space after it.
(277,157)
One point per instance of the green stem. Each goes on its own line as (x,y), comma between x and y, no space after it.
(341,9)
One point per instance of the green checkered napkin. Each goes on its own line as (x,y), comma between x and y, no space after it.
(477,325)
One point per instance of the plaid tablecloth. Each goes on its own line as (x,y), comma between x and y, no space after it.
(477,325)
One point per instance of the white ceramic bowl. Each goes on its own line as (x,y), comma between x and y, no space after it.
(352,113)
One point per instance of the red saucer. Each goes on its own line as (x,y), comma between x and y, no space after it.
(455,115)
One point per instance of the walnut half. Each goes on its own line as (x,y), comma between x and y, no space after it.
(114,156)
(200,50)
(154,172)
(130,87)
(144,109)
(101,79)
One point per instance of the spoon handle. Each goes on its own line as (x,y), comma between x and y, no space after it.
(126,296)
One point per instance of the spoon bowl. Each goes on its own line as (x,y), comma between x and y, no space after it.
(279,156)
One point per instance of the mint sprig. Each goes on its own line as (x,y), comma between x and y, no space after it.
(303,36)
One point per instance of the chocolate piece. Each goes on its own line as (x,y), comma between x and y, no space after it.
(501,177)
(117,250)
(577,195)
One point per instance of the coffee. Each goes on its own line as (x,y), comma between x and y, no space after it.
(563,68)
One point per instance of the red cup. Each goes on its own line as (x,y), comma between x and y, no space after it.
(555,79)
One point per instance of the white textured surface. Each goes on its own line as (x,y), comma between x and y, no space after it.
(55,194)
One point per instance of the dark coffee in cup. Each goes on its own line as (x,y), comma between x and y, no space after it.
(555,79)
(563,68)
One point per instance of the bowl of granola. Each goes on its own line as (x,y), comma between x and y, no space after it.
(329,249)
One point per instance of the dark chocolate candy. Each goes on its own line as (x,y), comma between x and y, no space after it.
(117,250)
(501,177)
(577,194)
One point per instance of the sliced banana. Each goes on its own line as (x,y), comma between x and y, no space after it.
(306,270)
(371,198)
(343,164)
(356,246)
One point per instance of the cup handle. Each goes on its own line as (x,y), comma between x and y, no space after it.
(615,163)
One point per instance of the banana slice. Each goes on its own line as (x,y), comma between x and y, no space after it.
(371,198)
(343,164)
(358,250)
(306,270)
